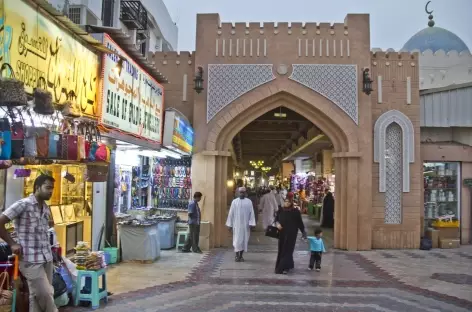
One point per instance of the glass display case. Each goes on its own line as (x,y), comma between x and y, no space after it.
(441,190)
(70,203)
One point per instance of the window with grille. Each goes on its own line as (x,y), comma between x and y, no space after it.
(74,15)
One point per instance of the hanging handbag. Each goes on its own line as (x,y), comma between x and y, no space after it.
(5,139)
(72,145)
(96,173)
(17,135)
(94,137)
(101,153)
(30,149)
(43,99)
(6,295)
(5,164)
(54,140)
(70,109)
(272,231)
(12,90)
(42,142)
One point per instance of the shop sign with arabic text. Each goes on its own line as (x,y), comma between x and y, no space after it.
(132,101)
(35,47)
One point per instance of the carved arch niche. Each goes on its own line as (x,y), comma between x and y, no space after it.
(394,151)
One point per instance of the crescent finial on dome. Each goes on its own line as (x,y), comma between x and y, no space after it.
(430,17)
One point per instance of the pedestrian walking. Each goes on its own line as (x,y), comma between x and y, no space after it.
(317,249)
(240,220)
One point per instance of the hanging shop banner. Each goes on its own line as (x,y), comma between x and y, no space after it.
(132,101)
(42,54)
(178,133)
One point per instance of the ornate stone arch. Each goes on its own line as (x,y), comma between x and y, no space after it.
(408,145)
(327,116)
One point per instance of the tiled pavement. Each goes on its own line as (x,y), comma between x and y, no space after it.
(440,280)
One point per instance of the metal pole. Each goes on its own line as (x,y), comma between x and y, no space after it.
(110,200)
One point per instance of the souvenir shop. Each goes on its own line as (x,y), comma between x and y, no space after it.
(50,128)
(132,116)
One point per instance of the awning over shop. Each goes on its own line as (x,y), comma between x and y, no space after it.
(449,106)
(128,44)
(75,29)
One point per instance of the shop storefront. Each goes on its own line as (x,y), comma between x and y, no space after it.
(131,120)
(446,198)
(49,121)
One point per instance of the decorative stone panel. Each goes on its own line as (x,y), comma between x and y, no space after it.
(383,152)
(394,174)
(227,82)
(338,83)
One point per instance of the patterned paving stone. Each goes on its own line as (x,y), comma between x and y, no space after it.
(454,278)
(386,281)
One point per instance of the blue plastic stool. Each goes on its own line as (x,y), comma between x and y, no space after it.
(180,234)
(94,293)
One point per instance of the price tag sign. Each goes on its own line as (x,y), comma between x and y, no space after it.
(468,182)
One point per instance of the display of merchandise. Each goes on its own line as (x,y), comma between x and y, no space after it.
(94,261)
(140,181)
(171,183)
(440,190)
(82,252)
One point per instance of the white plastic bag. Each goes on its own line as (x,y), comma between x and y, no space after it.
(71,267)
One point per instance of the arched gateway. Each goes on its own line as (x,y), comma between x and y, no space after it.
(315,70)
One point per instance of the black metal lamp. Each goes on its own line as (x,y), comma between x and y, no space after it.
(199,80)
(366,82)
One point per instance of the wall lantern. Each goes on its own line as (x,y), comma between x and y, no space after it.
(366,82)
(199,80)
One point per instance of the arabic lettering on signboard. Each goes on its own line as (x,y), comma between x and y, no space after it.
(182,137)
(35,47)
(132,99)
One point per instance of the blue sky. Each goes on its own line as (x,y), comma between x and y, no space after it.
(392,22)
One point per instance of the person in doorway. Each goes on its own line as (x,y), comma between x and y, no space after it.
(32,219)
(317,249)
(252,195)
(239,184)
(240,220)
(288,221)
(328,210)
(194,217)
(269,207)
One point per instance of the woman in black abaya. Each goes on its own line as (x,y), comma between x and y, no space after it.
(289,221)
(328,210)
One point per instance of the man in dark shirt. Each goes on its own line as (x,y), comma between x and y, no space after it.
(194,218)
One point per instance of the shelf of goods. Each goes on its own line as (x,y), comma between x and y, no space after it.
(441,193)
(171,190)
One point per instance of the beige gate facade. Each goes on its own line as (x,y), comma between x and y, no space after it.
(314,69)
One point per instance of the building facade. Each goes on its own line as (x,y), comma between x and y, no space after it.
(252,69)
(146,23)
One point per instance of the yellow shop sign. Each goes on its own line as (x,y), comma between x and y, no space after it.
(35,47)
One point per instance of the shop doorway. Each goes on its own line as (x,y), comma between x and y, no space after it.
(283,150)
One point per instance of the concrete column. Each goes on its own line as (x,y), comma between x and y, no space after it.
(209,176)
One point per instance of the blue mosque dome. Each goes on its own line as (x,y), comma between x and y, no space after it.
(435,38)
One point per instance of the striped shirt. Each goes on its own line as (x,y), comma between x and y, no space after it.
(31,225)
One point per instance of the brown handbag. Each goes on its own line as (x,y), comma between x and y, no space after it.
(43,99)
(96,173)
(6,295)
(42,142)
(12,90)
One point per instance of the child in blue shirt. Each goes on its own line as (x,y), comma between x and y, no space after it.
(317,248)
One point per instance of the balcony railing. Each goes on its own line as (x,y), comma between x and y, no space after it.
(134,15)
